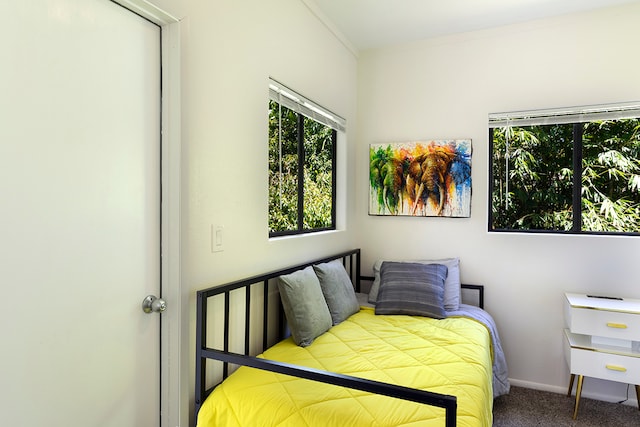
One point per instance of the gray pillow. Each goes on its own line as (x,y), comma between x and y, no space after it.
(337,289)
(451,283)
(304,305)
(412,288)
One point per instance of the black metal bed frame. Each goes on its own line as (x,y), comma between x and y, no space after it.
(351,261)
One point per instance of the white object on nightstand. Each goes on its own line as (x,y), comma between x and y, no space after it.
(602,340)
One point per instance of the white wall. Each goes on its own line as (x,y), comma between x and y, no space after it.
(445,88)
(229,49)
(441,88)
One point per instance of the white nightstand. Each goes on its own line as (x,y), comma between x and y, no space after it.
(602,340)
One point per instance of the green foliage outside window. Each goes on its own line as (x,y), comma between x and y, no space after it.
(533,177)
(315,198)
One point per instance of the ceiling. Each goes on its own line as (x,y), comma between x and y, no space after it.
(370,24)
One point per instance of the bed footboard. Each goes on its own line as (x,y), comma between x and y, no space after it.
(258,294)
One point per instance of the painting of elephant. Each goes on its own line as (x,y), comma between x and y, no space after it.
(423,178)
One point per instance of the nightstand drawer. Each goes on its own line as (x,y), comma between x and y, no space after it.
(603,323)
(606,366)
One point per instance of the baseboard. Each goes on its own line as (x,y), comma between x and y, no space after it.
(585,393)
(538,386)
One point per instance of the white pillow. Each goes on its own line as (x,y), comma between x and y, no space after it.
(451,284)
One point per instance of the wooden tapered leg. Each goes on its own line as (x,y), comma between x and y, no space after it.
(638,395)
(578,393)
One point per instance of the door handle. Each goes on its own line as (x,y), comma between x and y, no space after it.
(153,304)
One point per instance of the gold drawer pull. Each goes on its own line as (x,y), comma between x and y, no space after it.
(616,325)
(616,368)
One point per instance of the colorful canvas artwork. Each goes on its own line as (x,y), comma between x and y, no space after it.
(423,178)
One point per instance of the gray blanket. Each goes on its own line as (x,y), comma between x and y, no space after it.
(500,375)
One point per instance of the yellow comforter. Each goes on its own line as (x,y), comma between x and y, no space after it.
(450,356)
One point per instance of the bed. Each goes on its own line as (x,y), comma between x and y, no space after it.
(389,359)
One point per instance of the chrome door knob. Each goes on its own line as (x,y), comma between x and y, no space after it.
(153,304)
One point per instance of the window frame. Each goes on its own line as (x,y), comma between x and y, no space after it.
(306,109)
(578,117)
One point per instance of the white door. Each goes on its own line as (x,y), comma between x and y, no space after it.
(79,215)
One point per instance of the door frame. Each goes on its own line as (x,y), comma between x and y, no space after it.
(173,412)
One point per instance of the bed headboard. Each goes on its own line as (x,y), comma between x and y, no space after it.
(253,290)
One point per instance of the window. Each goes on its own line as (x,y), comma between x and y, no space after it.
(569,171)
(302,163)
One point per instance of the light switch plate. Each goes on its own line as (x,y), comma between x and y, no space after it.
(217,238)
